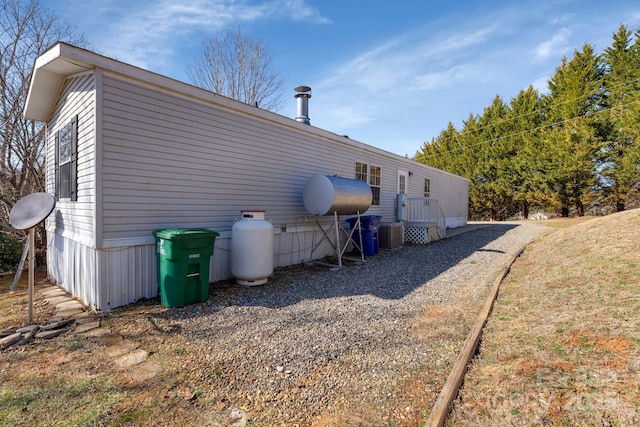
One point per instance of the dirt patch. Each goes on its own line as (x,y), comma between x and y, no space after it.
(618,346)
(440,321)
(13,306)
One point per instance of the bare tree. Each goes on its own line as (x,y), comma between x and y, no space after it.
(238,67)
(26,30)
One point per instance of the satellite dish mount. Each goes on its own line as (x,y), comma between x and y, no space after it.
(25,215)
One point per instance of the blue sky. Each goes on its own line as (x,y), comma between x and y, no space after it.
(391,74)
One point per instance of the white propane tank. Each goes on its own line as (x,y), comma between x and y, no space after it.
(252,249)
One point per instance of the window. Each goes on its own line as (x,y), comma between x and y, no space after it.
(427,187)
(403,179)
(361,171)
(374,183)
(372,176)
(66,161)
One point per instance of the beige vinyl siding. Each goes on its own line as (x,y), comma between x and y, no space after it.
(172,162)
(70,228)
(77,98)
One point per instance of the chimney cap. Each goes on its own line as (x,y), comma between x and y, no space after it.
(302,91)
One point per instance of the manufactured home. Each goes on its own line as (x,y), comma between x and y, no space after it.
(129,151)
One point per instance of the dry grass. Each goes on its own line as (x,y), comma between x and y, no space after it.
(562,346)
(13,306)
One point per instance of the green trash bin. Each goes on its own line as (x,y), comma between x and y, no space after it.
(183,256)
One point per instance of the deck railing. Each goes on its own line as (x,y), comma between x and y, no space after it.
(424,220)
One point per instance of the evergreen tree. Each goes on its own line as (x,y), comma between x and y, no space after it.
(527,175)
(443,151)
(619,169)
(570,150)
(576,90)
(494,154)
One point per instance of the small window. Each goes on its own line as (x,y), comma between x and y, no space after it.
(427,187)
(374,183)
(403,180)
(361,171)
(402,184)
(66,161)
(371,175)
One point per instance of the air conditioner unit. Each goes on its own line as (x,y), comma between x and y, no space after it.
(390,235)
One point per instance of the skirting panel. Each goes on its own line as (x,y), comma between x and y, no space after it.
(104,279)
(421,234)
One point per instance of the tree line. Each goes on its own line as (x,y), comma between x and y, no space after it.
(574,150)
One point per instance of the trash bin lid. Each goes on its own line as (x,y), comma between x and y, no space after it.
(184,233)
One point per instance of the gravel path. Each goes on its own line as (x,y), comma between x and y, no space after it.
(331,347)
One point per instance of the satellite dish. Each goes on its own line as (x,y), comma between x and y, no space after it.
(26,214)
(31,210)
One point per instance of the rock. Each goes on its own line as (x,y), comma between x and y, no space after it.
(68,305)
(85,327)
(84,316)
(58,299)
(26,338)
(31,329)
(109,339)
(132,358)
(7,332)
(10,340)
(237,418)
(53,292)
(57,325)
(145,371)
(52,333)
(99,333)
(121,347)
(69,312)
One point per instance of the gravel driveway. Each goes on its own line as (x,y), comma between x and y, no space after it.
(366,344)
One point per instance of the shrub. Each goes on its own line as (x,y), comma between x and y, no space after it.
(10,252)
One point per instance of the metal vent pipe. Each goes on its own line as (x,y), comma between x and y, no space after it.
(302,94)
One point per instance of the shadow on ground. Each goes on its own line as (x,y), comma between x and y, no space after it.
(396,274)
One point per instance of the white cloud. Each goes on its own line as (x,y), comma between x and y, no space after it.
(146,33)
(300,11)
(557,45)
(441,79)
(561,18)
(389,80)
(401,62)
(459,42)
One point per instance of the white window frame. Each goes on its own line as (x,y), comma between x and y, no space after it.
(375,182)
(427,187)
(363,173)
(66,161)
